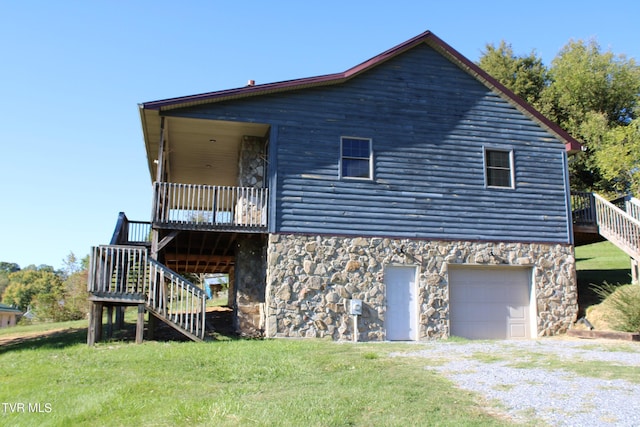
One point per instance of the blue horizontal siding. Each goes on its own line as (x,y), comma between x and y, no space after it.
(429,122)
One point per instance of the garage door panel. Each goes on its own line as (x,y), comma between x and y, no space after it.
(489,303)
(479,330)
(518,331)
(517,312)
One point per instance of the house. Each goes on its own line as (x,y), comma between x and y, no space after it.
(8,315)
(410,197)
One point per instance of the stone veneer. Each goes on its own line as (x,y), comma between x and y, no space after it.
(310,280)
(251,162)
(249,281)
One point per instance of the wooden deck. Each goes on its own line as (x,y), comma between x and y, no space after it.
(193,228)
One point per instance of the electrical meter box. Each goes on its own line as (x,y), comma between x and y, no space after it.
(355,307)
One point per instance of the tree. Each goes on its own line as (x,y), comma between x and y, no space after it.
(9,267)
(618,157)
(53,296)
(6,268)
(593,93)
(588,80)
(72,265)
(76,296)
(25,285)
(526,76)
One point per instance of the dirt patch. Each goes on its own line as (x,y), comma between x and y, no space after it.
(19,338)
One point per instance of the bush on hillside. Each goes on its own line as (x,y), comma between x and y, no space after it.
(622,303)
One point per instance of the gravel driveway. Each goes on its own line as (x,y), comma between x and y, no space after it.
(550,380)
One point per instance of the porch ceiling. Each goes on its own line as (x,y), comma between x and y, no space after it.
(201,252)
(197,151)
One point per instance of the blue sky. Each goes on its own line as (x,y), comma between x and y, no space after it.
(73,73)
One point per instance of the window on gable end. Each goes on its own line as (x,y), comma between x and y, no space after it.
(498,168)
(356,158)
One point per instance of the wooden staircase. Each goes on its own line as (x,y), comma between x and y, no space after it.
(617,221)
(125,275)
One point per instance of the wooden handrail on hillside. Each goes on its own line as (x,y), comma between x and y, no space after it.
(126,274)
(617,226)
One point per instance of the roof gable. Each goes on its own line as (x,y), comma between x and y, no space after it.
(571,144)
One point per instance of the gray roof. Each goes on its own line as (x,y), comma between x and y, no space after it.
(8,309)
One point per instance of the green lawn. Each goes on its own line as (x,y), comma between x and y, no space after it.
(235,382)
(596,264)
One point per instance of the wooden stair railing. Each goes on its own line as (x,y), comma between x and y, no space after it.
(618,226)
(632,206)
(176,301)
(126,275)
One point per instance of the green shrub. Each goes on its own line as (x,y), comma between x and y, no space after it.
(624,304)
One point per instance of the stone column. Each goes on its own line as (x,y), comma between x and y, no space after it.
(250,280)
(251,164)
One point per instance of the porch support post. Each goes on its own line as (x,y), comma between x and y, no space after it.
(140,324)
(160,166)
(155,235)
(635,271)
(94,332)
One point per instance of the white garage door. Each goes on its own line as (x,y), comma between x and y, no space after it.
(490,302)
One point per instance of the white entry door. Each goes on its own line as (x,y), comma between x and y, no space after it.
(402,306)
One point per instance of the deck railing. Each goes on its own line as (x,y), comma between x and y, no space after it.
(131,232)
(618,226)
(127,272)
(583,207)
(210,207)
(118,271)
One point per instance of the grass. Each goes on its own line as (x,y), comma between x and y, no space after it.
(229,383)
(218,300)
(596,264)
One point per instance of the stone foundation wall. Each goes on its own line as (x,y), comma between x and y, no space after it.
(310,280)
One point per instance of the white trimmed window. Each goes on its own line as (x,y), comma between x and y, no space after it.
(356,158)
(498,166)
